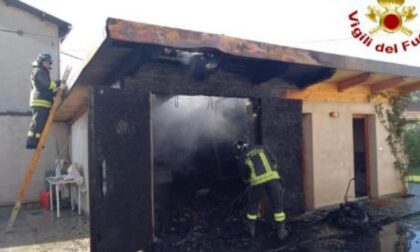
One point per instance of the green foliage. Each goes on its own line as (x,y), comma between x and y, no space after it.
(412,144)
(414,174)
(392,119)
(415,97)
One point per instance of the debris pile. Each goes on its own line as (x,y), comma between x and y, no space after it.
(352,215)
(203,220)
(192,218)
(211,220)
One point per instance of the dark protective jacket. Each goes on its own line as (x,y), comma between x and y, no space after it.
(42,88)
(258,165)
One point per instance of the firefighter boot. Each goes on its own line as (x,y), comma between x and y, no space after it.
(250,227)
(281,231)
(31,142)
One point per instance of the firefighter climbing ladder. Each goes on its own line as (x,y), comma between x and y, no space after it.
(37,154)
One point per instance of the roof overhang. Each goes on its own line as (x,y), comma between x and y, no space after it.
(63,27)
(128,44)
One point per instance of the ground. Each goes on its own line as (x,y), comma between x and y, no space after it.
(394,226)
(38,229)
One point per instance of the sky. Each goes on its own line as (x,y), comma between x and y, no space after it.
(321,25)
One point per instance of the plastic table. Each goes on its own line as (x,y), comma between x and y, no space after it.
(64,180)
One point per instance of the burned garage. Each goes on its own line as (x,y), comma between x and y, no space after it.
(160,109)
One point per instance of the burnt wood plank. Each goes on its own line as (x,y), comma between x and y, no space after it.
(281,123)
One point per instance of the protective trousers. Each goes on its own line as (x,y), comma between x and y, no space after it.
(275,195)
(39,118)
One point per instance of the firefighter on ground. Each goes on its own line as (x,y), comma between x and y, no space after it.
(43,90)
(258,167)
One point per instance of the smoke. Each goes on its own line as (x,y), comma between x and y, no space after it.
(194,134)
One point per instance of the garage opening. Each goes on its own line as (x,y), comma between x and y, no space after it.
(196,180)
(153,158)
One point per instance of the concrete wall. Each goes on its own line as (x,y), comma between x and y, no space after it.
(17,53)
(331,160)
(79,154)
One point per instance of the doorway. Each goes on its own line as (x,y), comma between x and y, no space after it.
(361,156)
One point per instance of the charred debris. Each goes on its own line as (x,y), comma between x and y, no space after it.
(199,196)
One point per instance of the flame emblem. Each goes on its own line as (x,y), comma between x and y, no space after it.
(391,17)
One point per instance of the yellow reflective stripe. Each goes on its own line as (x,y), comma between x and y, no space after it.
(264,178)
(253,152)
(281,216)
(249,163)
(265,162)
(53,86)
(37,101)
(40,103)
(32,134)
(251,216)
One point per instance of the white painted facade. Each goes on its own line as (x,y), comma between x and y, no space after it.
(328,153)
(80,153)
(18,51)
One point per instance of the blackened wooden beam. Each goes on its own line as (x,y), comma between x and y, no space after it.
(130,64)
(172,86)
(175,80)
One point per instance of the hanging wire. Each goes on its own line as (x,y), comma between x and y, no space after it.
(71,55)
(176,101)
(210,104)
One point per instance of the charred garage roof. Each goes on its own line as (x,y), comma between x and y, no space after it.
(128,46)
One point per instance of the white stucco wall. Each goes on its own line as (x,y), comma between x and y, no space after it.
(332,153)
(79,153)
(15,158)
(17,53)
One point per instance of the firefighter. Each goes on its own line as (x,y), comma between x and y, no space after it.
(258,167)
(43,90)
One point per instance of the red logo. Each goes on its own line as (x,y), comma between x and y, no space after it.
(392,17)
